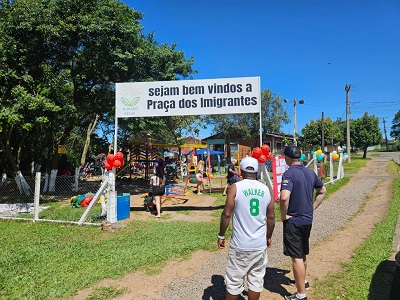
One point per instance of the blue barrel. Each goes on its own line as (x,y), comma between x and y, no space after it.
(123,206)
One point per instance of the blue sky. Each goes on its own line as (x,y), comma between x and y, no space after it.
(306,50)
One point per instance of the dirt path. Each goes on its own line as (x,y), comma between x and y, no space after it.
(325,258)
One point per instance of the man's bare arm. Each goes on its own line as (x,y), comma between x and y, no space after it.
(319,196)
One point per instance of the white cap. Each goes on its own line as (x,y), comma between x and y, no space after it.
(249,165)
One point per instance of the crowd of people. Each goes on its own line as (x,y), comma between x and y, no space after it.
(250,208)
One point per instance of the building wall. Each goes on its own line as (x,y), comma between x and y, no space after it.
(243,146)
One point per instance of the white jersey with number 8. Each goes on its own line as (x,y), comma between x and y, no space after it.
(249,230)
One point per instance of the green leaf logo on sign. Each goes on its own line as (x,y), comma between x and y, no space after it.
(130,96)
(128,102)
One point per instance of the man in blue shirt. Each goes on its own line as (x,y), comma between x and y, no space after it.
(297,204)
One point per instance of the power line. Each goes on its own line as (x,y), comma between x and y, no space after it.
(377,102)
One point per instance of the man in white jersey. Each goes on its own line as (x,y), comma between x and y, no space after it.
(249,205)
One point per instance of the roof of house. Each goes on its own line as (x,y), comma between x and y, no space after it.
(221,136)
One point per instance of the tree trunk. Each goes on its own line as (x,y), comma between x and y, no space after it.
(10,157)
(23,186)
(91,128)
(365,153)
(228,149)
(62,141)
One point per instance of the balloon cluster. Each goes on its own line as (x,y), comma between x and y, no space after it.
(345,155)
(319,154)
(147,146)
(335,156)
(114,161)
(262,154)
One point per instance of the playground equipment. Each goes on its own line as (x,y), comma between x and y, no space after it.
(192,165)
(173,190)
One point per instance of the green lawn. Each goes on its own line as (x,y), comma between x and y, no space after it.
(53,261)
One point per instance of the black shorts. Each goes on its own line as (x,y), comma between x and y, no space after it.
(296,240)
(158,191)
(231,180)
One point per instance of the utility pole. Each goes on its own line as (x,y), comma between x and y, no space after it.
(294,117)
(294,122)
(322,134)
(384,129)
(347,89)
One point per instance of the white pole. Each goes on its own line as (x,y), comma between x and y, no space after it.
(37,197)
(315,164)
(339,172)
(112,194)
(115,135)
(261,139)
(330,168)
(294,123)
(266,179)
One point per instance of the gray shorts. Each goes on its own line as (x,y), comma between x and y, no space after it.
(240,264)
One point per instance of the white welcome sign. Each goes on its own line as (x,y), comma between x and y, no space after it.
(188,97)
(183,98)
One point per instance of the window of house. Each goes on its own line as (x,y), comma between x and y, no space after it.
(278,145)
(234,147)
(218,147)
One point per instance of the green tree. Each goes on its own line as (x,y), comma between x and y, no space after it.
(59,62)
(273,115)
(247,126)
(365,132)
(395,129)
(312,133)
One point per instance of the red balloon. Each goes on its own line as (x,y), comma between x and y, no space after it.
(269,156)
(121,161)
(107,165)
(110,158)
(117,163)
(262,159)
(256,152)
(265,149)
(119,156)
